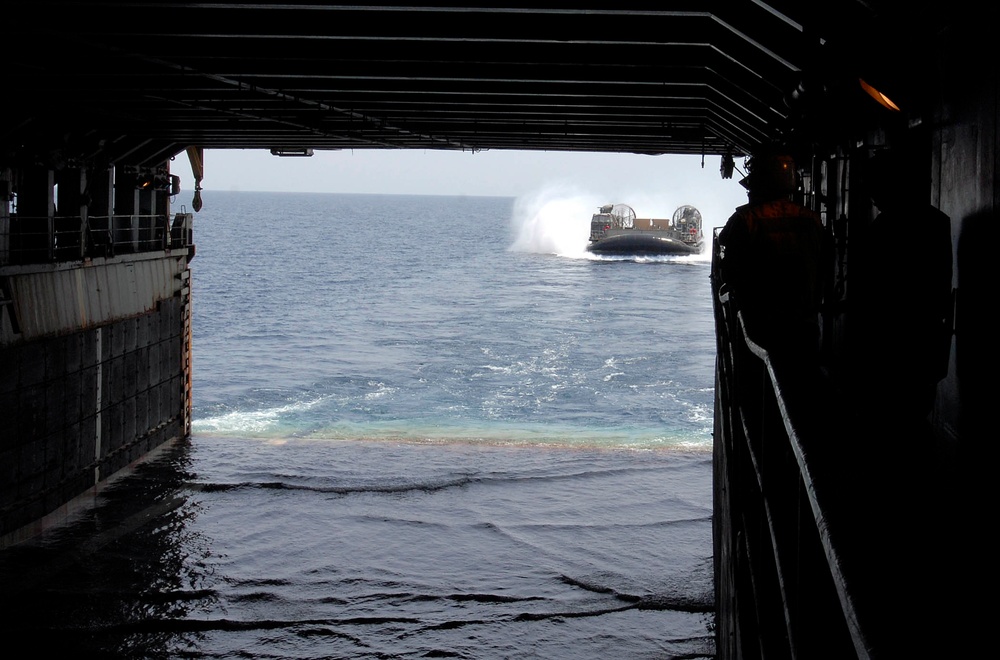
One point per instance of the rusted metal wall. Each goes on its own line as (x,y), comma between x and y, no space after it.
(966,188)
(49,300)
(97,377)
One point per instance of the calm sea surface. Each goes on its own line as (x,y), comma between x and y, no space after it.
(424,427)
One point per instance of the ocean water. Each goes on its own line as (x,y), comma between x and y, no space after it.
(423,427)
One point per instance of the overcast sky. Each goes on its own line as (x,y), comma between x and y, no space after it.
(652,185)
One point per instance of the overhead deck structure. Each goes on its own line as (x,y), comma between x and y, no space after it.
(136,82)
(817,554)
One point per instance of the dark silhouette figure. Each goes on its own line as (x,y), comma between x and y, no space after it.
(902,330)
(772,256)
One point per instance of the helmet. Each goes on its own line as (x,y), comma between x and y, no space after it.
(770,171)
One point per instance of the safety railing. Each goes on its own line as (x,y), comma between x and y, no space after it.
(780,588)
(30,240)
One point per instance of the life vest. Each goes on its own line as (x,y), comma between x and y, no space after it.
(775,258)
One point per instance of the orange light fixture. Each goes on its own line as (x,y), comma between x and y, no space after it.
(883,100)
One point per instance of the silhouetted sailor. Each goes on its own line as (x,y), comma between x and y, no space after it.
(772,255)
(902,283)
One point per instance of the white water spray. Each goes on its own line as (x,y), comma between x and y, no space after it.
(554,221)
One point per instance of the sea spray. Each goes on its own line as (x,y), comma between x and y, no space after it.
(553,221)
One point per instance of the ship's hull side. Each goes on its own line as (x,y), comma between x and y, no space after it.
(96,375)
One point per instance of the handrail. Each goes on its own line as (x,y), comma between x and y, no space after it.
(782,532)
(41,239)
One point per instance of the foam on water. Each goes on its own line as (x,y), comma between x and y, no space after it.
(279,424)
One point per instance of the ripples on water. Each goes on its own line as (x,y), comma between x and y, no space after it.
(410,441)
